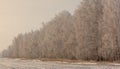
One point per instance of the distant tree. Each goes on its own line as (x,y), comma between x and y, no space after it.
(59,31)
(91,33)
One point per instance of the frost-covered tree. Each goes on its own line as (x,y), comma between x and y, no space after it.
(87,32)
(91,33)
(110,30)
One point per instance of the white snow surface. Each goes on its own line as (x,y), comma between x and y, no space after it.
(6,63)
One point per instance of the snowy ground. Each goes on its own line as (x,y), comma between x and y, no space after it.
(37,64)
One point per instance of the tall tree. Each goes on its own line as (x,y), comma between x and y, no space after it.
(110,30)
(87,32)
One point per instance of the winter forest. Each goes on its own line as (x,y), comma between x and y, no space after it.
(91,33)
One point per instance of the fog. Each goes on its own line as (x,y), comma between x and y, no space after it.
(20,16)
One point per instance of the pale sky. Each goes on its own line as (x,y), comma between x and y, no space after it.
(20,16)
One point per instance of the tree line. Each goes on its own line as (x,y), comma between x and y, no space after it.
(91,33)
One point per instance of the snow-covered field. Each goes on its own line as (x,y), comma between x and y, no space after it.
(37,64)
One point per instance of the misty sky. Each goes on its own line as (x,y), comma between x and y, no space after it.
(20,16)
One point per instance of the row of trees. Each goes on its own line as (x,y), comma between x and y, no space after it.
(91,33)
